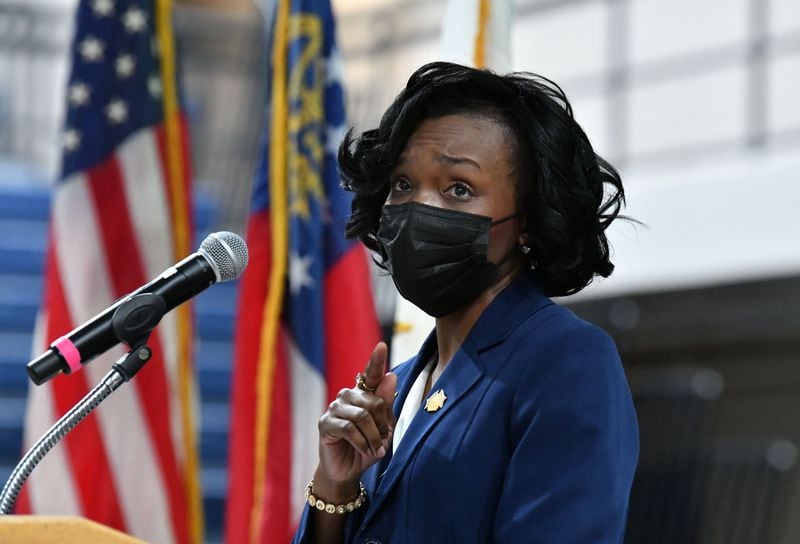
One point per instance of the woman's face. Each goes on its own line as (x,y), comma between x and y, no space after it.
(462,162)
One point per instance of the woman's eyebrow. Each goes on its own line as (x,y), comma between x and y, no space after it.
(443,157)
(450,159)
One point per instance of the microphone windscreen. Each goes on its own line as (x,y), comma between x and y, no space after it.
(227,254)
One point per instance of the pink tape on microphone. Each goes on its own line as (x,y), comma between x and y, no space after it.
(70,353)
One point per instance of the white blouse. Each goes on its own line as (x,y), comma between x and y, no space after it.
(412,405)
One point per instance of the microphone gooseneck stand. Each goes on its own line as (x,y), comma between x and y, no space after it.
(118,375)
(131,328)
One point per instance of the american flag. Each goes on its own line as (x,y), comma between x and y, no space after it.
(306,320)
(120,215)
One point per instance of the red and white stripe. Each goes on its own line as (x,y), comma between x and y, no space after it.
(124,465)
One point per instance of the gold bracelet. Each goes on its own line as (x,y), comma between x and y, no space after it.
(330,508)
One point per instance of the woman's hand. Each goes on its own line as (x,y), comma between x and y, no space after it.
(356,431)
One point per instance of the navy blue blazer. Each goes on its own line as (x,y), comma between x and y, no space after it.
(537,441)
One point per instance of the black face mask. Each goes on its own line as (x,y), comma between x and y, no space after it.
(437,257)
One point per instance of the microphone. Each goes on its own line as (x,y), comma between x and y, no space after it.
(221,257)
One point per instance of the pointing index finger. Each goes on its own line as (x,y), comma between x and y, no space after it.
(376,367)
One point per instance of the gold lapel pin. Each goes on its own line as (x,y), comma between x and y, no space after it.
(435,401)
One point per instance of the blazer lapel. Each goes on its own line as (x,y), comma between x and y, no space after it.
(458,379)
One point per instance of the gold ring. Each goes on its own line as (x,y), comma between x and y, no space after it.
(361,384)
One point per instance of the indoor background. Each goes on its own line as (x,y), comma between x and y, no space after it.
(696,102)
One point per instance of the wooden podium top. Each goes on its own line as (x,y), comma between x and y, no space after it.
(59,530)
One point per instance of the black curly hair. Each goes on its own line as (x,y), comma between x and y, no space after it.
(568,193)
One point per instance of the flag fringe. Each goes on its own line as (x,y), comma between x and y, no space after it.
(280,236)
(175,161)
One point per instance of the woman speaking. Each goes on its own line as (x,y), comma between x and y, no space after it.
(482,197)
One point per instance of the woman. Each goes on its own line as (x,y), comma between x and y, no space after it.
(482,197)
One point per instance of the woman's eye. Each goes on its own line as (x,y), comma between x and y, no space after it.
(401,185)
(460,190)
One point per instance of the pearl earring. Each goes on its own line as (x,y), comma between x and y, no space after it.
(525,249)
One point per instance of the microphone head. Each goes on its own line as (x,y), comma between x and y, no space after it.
(227,254)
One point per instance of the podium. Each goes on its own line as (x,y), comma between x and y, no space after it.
(59,530)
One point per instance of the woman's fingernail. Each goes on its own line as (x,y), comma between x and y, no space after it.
(381,451)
